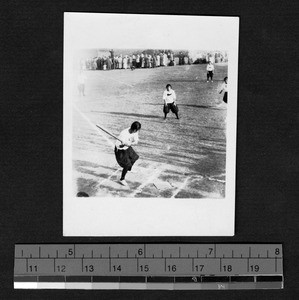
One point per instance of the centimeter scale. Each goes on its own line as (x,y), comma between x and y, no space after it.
(148,266)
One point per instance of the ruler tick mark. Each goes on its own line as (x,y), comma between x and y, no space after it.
(82,263)
(39,252)
(109,259)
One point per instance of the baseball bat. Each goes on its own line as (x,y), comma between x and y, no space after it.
(105,130)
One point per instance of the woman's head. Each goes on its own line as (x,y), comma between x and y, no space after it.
(136,126)
(168,87)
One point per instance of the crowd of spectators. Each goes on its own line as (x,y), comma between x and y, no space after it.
(135,61)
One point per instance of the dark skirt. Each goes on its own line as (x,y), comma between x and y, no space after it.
(225,97)
(126,158)
(170,106)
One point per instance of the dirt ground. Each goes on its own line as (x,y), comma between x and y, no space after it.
(182,158)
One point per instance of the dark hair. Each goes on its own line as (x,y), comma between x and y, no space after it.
(135,126)
(225,78)
(168,85)
(82,194)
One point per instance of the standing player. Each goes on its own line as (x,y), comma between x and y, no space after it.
(81,82)
(124,153)
(169,98)
(210,71)
(224,89)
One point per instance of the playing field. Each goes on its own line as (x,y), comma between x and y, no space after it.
(178,158)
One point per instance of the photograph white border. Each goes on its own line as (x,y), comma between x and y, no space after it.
(149,216)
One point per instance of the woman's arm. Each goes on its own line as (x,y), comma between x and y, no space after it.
(164,97)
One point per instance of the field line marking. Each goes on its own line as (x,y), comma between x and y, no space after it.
(119,169)
(150,179)
(93,126)
(116,80)
(214,179)
(180,188)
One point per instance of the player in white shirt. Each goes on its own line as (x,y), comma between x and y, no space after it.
(81,82)
(210,71)
(169,98)
(124,153)
(224,89)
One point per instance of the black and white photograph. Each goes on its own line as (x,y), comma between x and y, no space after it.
(149,124)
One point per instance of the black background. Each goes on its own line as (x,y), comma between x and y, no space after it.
(31,127)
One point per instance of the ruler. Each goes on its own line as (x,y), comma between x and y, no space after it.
(148,266)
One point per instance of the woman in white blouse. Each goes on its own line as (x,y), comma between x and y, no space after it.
(169,98)
(224,89)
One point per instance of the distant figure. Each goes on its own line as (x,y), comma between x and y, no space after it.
(158,60)
(124,153)
(134,60)
(142,60)
(125,62)
(169,98)
(224,89)
(165,59)
(138,61)
(130,62)
(109,63)
(146,61)
(120,62)
(161,60)
(210,71)
(81,82)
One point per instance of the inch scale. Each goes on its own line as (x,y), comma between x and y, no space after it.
(148,266)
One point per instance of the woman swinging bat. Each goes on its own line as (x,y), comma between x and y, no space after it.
(124,153)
